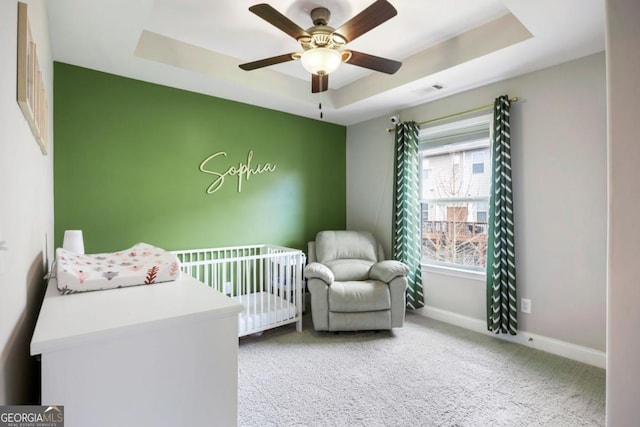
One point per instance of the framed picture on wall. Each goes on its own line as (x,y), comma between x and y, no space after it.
(31,95)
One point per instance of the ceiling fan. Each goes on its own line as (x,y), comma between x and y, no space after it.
(322,44)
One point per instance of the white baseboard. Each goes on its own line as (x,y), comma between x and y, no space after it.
(561,348)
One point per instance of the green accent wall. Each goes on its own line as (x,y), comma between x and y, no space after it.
(126,167)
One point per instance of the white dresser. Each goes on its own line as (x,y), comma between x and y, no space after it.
(151,355)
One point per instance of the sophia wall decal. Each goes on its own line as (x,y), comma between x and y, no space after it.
(243,171)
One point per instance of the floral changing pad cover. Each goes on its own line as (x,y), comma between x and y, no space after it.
(143,264)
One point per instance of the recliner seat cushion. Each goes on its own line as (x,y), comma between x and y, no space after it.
(359,296)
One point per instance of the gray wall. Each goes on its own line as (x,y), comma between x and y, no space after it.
(623,347)
(26,211)
(559,162)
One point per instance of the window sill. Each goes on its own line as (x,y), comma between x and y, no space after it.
(457,272)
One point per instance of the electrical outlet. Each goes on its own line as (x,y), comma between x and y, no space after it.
(525,305)
(228,288)
(3,249)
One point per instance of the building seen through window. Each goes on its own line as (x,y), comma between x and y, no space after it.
(455,187)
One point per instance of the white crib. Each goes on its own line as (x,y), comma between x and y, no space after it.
(265,279)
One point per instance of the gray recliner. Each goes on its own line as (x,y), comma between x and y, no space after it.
(352,286)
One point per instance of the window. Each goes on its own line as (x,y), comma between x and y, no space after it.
(478,162)
(425,169)
(455,193)
(481,213)
(455,161)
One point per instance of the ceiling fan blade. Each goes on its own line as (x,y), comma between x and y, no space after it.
(372,62)
(319,83)
(278,20)
(268,61)
(368,19)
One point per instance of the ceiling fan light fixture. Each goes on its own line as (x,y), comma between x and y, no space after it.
(321,60)
(322,45)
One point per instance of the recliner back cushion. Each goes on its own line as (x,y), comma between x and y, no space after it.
(343,244)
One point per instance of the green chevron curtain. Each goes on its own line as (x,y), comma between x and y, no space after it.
(501,263)
(406,224)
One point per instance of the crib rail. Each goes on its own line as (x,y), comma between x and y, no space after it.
(265,279)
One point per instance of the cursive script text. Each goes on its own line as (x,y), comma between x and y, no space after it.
(243,171)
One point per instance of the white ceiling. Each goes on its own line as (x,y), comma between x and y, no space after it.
(197,45)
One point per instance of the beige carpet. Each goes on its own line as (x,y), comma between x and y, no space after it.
(426,374)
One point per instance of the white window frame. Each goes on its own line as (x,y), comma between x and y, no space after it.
(444,135)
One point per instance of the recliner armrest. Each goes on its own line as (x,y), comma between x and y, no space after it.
(315,270)
(386,271)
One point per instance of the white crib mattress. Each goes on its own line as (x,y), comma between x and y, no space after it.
(263,309)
